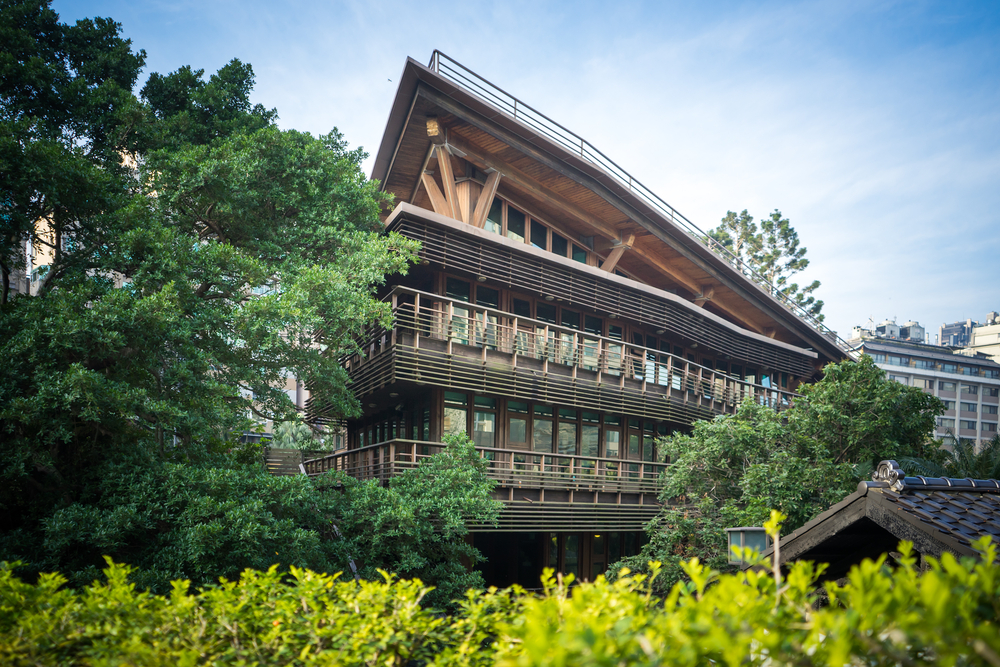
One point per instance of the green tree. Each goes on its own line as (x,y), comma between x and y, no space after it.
(738,234)
(779,257)
(862,416)
(773,252)
(67,120)
(962,459)
(186,280)
(731,471)
(294,434)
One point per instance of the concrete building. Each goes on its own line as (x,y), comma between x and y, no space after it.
(985,338)
(966,381)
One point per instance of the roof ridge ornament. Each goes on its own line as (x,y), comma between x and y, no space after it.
(889,471)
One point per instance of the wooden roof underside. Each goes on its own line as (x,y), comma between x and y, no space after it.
(557,192)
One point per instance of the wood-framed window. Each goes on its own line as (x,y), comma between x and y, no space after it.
(512,221)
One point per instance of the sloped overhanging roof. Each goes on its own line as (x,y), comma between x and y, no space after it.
(417,80)
(937,514)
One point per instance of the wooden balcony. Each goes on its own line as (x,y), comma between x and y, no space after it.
(540,491)
(449,343)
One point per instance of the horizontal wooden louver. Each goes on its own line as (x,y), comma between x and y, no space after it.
(452,250)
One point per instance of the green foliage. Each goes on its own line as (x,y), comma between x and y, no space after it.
(731,471)
(199,254)
(773,252)
(861,416)
(214,518)
(417,525)
(961,459)
(945,615)
(294,434)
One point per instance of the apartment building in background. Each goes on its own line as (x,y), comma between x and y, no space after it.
(967,381)
(562,315)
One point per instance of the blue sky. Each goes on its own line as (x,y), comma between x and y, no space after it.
(873,126)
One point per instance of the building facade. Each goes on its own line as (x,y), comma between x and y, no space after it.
(560,314)
(967,382)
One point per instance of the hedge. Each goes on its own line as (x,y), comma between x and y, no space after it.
(943,614)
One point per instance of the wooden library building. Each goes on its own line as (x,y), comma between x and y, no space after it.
(560,314)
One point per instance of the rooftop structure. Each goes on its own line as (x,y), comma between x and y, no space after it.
(560,314)
(937,514)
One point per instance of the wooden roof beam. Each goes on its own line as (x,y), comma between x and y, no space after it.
(438,201)
(738,317)
(525,182)
(448,180)
(623,244)
(706,294)
(485,199)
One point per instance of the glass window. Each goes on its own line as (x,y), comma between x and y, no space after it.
(612,442)
(515,224)
(571,555)
(541,435)
(483,428)
(598,552)
(593,325)
(454,421)
(488,297)
(968,407)
(458,289)
(494,219)
(546,312)
(949,368)
(989,409)
(991,391)
(898,361)
(590,440)
(567,437)
(949,405)
(946,386)
(614,332)
(522,308)
(970,389)
(989,427)
(946,423)
(570,319)
(560,245)
(968,424)
(518,430)
(539,235)
(579,254)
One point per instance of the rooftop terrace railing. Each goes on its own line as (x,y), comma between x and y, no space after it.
(462,76)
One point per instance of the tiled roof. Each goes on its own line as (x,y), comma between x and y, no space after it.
(937,514)
(962,509)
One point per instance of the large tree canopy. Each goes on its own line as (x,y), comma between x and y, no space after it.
(199,255)
(733,470)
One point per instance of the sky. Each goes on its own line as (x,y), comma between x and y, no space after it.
(873,126)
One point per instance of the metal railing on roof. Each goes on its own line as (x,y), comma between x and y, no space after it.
(462,76)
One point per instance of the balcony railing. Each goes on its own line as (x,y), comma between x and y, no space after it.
(509,467)
(459,326)
(539,122)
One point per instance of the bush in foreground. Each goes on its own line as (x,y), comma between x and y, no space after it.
(946,615)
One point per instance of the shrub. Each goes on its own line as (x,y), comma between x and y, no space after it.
(944,615)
